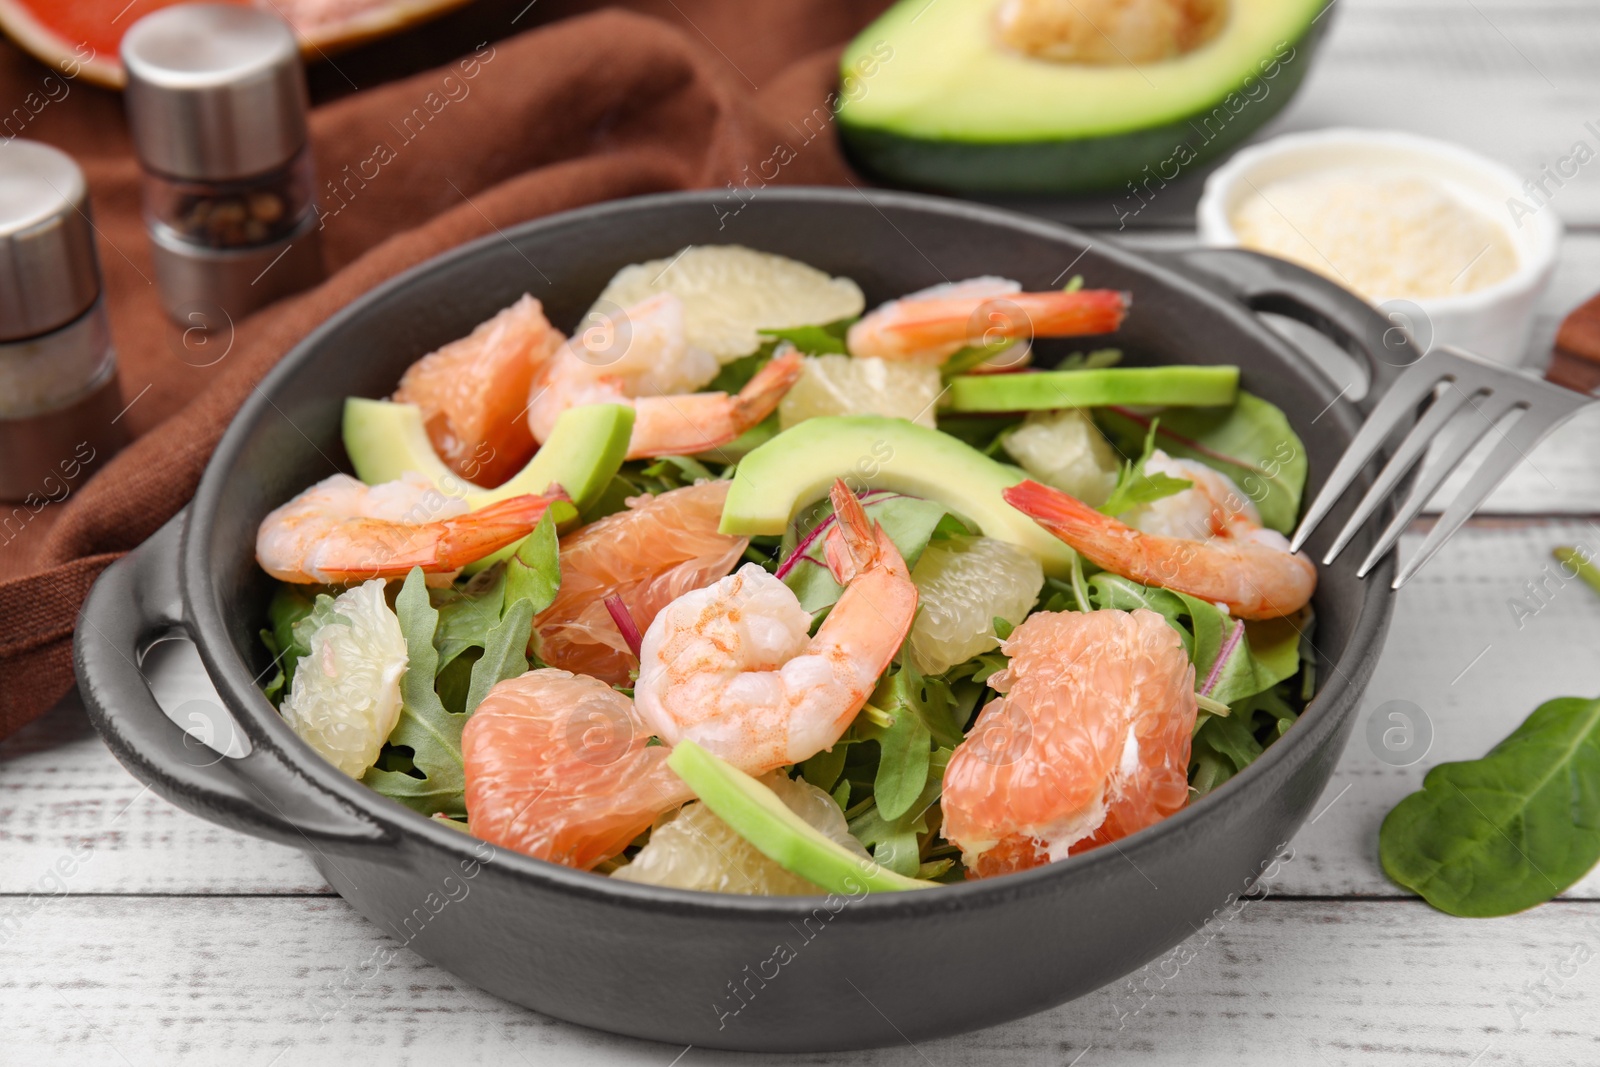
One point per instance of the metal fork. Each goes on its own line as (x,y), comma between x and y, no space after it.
(1457,381)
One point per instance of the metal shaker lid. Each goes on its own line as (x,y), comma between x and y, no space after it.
(48,271)
(215,91)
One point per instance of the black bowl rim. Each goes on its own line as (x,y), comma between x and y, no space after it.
(263,725)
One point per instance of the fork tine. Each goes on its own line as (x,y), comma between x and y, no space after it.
(1459,440)
(1531,427)
(1404,395)
(1439,413)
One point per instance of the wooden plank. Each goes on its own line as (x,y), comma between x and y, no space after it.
(1513,81)
(290,981)
(1456,650)
(1483,635)
(62,796)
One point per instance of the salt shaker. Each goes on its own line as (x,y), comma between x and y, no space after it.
(216,99)
(59,402)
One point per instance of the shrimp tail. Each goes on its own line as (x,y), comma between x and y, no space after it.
(1061,513)
(856,544)
(470,537)
(760,396)
(1085,311)
(439,547)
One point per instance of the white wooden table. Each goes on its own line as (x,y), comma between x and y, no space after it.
(174,941)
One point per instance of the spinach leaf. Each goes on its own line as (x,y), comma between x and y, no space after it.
(1233,661)
(1135,487)
(909,521)
(1251,442)
(1497,835)
(432,733)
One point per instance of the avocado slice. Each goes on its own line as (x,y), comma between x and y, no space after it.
(586,447)
(1127,386)
(798,466)
(930,97)
(757,815)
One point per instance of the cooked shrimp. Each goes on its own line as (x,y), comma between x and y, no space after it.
(559,767)
(641,357)
(472,392)
(1206,541)
(731,666)
(341,531)
(933,324)
(660,548)
(1088,742)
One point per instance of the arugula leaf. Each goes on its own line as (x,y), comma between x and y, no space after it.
(823,769)
(679,471)
(432,733)
(1107,590)
(827,340)
(1497,835)
(505,655)
(1135,487)
(1251,442)
(1229,665)
(1225,745)
(534,572)
(982,432)
(467,615)
(909,521)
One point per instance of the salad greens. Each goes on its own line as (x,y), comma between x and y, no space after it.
(1251,442)
(456,651)
(1497,835)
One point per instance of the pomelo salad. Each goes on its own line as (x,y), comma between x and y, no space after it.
(745,587)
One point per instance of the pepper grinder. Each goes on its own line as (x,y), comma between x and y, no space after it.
(59,400)
(216,99)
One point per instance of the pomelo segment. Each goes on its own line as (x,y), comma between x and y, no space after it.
(730,293)
(81,38)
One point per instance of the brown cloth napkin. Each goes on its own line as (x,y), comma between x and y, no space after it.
(588,107)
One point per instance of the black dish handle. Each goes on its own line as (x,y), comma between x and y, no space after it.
(134,604)
(1264,283)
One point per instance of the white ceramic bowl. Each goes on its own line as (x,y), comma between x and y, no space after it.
(1493,321)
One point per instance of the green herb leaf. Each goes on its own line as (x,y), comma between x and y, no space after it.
(1497,835)
(816,340)
(286,640)
(1251,442)
(963,360)
(1135,487)
(466,616)
(534,573)
(736,374)
(505,656)
(894,841)
(823,769)
(432,733)
(1099,358)
(903,765)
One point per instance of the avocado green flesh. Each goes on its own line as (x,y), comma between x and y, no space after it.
(756,814)
(586,447)
(932,99)
(801,464)
(1128,386)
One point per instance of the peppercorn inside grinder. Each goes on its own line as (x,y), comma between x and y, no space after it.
(216,99)
(59,401)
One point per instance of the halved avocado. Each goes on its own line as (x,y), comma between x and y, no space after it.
(799,466)
(756,814)
(930,97)
(586,447)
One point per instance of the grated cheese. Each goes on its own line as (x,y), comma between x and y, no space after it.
(1383,233)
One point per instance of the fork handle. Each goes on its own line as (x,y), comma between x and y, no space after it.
(1381,343)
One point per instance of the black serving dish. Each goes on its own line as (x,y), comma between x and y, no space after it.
(699,968)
